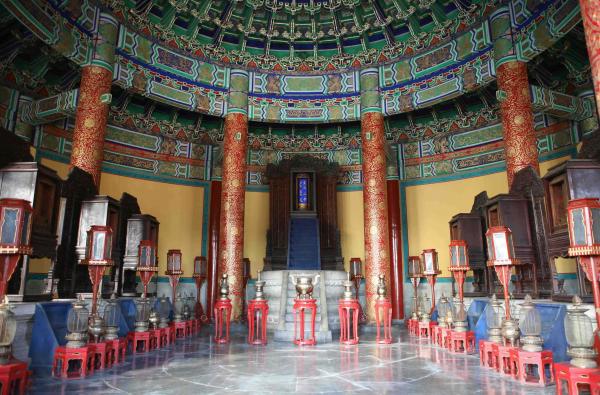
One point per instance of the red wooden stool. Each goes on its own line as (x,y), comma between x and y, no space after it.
(577,380)
(119,347)
(300,307)
(462,342)
(137,339)
(436,335)
(258,310)
(189,327)
(486,354)
(222,320)
(154,339)
(425,329)
(502,355)
(14,377)
(64,355)
(413,327)
(103,355)
(348,310)
(179,329)
(522,363)
(165,337)
(383,321)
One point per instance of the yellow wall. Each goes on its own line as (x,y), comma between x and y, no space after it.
(256,224)
(178,208)
(429,207)
(351,225)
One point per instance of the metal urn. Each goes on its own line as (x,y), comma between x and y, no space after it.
(153,319)
(424,310)
(8,325)
(224,290)
(348,289)
(96,328)
(579,332)
(304,285)
(164,310)
(494,315)
(142,314)
(111,318)
(178,309)
(381,288)
(77,325)
(461,323)
(530,324)
(259,285)
(511,332)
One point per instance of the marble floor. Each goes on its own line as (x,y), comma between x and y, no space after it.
(198,366)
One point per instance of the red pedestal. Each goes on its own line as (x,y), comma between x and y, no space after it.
(139,341)
(165,337)
(522,363)
(349,315)
(413,327)
(189,327)
(461,342)
(300,307)
(426,328)
(119,347)
(154,339)
(576,380)
(502,355)
(486,354)
(258,310)
(103,355)
(222,320)
(179,329)
(63,356)
(14,377)
(383,321)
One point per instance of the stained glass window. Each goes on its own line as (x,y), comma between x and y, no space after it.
(303,193)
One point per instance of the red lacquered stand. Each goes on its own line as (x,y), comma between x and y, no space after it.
(165,337)
(189,327)
(14,377)
(413,327)
(222,320)
(461,342)
(258,310)
(63,355)
(154,339)
(426,328)
(102,355)
(300,307)
(502,355)
(383,321)
(486,354)
(119,347)
(137,339)
(179,329)
(576,380)
(522,363)
(349,311)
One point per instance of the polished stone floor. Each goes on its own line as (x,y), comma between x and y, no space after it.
(198,366)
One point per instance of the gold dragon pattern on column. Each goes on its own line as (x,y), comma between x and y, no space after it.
(374,188)
(235,143)
(516,111)
(94,99)
(590,13)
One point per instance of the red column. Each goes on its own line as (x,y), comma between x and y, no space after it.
(394,229)
(590,13)
(231,239)
(212,285)
(520,142)
(90,120)
(375,205)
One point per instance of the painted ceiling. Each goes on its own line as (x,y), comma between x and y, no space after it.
(301,35)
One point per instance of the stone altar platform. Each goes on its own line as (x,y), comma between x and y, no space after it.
(280,292)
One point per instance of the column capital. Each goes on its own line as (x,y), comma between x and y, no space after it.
(237,100)
(502,36)
(102,49)
(370,95)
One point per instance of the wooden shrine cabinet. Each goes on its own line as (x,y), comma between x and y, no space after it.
(513,211)
(42,187)
(573,179)
(139,227)
(100,210)
(469,227)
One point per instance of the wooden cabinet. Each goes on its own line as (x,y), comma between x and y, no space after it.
(41,186)
(469,227)
(573,179)
(100,210)
(139,227)
(513,211)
